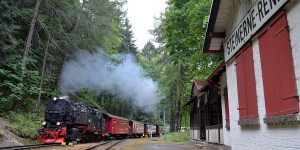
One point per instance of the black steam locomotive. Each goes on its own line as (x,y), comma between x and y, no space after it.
(66,120)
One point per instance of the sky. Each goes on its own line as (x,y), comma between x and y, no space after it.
(141,15)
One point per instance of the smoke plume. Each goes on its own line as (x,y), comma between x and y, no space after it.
(96,72)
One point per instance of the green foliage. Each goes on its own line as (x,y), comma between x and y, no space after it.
(1,133)
(181,30)
(62,28)
(26,124)
(108,103)
(127,45)
(86,97)
(177,137)
(149,50)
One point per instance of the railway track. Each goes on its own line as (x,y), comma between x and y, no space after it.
(106,145)
(28,146)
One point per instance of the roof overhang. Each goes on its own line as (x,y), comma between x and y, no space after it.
(215,31)
(233,16)
(214,78)
(188,102)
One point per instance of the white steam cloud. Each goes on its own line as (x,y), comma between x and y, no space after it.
(96,72)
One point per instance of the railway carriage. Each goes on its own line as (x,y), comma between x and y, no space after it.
(160,129)
(151,129)
(136,128)
(117,127)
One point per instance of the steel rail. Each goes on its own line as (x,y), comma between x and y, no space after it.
(101,144)
(28,146)
(93,147)
(115,144)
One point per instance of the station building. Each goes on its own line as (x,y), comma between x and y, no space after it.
(205,102)
(258,84)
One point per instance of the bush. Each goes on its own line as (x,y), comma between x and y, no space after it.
(1,133)
(177,137)
(26,124)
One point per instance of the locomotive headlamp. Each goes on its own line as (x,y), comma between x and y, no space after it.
(58,123)
(44,123)
(55,98)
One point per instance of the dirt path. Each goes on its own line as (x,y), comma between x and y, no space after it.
(154,144)
(7,138)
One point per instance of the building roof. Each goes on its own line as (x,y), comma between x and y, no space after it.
(197,83)
(210,82)
(215,31)
(214,78)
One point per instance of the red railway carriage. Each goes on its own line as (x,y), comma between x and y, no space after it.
(116,126)
(136,129)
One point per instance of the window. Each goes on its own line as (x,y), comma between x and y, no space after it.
(214,110)
(277,68)
(246,83)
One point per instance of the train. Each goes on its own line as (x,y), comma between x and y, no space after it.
(71,122)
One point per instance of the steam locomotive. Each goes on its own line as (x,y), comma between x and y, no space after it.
(67,121)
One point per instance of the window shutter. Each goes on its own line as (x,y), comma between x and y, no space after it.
(226,107)
(268,69)
(288,100)
(250,84)
(241,87)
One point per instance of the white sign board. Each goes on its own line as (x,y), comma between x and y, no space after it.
(260,12)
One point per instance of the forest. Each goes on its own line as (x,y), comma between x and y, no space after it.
(51,48)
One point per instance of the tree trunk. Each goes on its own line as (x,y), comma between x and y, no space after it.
(178,116)
(179,94)
(172,117)
(26,49)
(42,76)
(29,38)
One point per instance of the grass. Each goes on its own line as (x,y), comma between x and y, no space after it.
(177,137)
(1,133)
(25,125)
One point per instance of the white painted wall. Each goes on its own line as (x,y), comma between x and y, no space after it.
(212,136)
(226,133)
(196,134)
(240,9)
(294,27)
(281,137)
